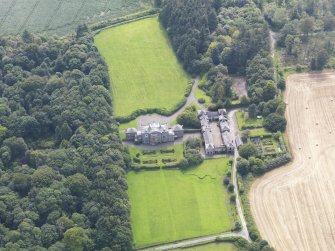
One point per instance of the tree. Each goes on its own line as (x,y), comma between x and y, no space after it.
(275,122)
(320,61)
(64,132)
(78,184)
(252,111)
(244,100)
(17,146)
(269,90)
(248,150)
(329,23)
(217,4)
(27,37)
(22,183)
(231,188)
(281,83)
(43,176)
(307,25)
(256,165)
(242,166)
(238,226)
(76,239)
(212,21)
(49,235)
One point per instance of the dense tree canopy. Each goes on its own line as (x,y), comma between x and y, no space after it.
(62,173)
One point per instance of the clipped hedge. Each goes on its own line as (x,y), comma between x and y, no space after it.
(192,130)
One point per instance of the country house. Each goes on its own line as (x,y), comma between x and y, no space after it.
(154,134)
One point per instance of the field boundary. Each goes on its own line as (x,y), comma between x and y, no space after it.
(100,26)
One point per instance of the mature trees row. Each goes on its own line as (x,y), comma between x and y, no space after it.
(62,173)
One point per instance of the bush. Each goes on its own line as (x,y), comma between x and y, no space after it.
(242,166)
(226,181)
(184,164)
(189,118)
(201,100)
(253,233)
(167,150)
(248,150)
(136,160)
(231,188)
(238,226)
(233,198)
(275,122)
(148,152)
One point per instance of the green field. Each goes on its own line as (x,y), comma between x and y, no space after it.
(143,68)
(259,132)
(59,16)
(223,246)
(245,122)
(169,205)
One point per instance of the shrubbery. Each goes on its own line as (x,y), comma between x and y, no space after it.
(192,153)
(189,118)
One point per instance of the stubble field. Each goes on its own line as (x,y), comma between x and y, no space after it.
(60,16)
(293,206)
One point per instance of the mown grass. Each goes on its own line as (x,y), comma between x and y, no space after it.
(244,121)
(143,68)
(259,132)
(169,205)
(219,246)
(200,94)
(130,124)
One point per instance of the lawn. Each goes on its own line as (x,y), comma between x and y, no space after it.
(222,246)
(259,132)
(130,124)
(199,93)
(157,157)
(143,68)
(244,122)
(169,205)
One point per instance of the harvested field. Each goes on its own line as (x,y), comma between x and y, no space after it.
(293,206)
(60,16)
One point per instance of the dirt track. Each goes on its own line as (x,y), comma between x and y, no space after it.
(294,206)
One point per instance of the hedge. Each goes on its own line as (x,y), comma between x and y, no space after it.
(191,130)
(106,23)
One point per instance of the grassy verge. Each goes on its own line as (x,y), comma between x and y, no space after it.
(244,185)
(169,205)
(143,68)
(216,246)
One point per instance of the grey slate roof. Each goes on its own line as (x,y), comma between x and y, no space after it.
(131,130)
(177,128)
